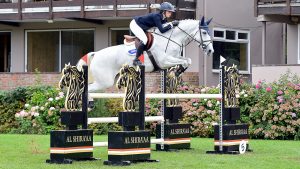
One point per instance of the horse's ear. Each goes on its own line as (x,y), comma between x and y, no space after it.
(208,22)
(202,21)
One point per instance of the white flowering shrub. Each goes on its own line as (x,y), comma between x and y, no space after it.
(41,112)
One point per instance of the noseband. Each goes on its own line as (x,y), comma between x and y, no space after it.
(202,43)
(205,43)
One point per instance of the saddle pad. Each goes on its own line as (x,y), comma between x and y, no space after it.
(132,52)
(130,48)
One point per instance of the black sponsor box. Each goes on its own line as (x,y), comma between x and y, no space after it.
(176,136)
(68,145)
(128,146)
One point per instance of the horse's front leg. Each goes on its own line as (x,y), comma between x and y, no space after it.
(172,61)
(189,61)
(182,62)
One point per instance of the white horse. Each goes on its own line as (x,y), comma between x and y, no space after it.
(166,50)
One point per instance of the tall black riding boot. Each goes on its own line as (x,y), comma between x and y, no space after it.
(139,52)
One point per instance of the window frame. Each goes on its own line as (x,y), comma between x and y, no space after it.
(115,29)
(52,30)
(237,40)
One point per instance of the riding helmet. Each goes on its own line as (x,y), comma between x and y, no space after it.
(167,6)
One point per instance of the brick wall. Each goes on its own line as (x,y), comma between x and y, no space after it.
(9,81)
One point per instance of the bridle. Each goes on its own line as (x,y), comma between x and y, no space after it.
(202,43)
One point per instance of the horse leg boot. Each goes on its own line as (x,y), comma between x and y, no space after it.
(180,70)
(139,52)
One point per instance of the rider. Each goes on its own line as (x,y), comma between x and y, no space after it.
(140,24)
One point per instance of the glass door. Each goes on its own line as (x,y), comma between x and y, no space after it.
(5,51)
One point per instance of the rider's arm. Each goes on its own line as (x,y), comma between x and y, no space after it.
(158,23)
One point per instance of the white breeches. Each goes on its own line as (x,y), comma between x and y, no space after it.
(138,31)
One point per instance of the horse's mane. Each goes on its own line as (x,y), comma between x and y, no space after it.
(184,24)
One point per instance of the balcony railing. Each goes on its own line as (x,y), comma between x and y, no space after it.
(277,7)
(18,10)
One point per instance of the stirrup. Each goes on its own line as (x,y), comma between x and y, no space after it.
(137,62)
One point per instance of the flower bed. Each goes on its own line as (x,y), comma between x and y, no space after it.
(272,110)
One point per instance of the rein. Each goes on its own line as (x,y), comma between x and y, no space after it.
(191,38)
(169,39)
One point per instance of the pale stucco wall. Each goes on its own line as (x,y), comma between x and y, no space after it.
(292,44)
(271,73)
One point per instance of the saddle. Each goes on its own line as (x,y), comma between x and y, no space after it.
(129,39)
(133,39)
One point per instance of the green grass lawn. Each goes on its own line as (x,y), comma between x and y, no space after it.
(31,151)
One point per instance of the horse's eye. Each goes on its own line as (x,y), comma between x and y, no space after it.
(204,33)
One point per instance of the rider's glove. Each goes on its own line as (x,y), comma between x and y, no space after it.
(175,23)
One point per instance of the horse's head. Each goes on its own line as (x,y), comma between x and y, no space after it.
(70,73)
(66,76)
(196,31)
(123,77)
(204,37)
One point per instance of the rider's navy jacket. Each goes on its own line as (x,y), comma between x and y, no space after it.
(152,20)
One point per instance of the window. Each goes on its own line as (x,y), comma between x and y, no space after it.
(5,50)
(75,44)
(117,35)
(43,51)
(219,34)
(243,36)
(234,46)
(48,51)
(230,35)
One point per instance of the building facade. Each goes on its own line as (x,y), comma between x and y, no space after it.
(238,37)
(286,12)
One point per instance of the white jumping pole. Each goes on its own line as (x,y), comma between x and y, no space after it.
(115,119)
(103,120)
(183,96)
(100,144)
(157,141)
(158,96)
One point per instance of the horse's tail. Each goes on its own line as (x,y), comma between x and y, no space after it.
(86,60)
